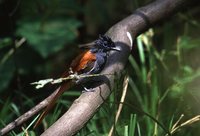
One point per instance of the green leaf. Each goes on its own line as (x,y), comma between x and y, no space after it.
(132,125)
(50,36)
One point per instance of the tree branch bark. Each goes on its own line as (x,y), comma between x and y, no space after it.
(88,103)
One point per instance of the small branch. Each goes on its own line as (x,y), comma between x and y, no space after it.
(11,51)
(186,123)
(177,127)
(177,122)
(41,83)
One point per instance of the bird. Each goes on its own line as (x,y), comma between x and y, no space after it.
(90,61)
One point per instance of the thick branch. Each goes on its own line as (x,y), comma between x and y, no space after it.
(87,104)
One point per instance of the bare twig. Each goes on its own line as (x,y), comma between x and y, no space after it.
(41,83)
(11,51)
(177,122)
(189,122)
(186,123)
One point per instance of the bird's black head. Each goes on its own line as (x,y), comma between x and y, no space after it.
(105,43)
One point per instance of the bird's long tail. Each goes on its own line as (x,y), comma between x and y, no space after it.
(60,90)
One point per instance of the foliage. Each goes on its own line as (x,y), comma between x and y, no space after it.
(163,70)
(53,33)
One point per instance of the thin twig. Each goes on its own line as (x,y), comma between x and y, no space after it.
(177,122)
(11,51)
(41,83)
(186,123)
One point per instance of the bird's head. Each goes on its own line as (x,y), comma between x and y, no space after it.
(105,43)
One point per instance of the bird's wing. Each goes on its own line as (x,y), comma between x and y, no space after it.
(81,62)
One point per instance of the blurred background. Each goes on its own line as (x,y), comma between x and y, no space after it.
(38,39)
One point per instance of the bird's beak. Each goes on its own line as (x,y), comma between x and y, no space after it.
(116,49)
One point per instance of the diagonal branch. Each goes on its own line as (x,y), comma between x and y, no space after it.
(87,104)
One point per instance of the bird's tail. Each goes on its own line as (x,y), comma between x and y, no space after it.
(60,90)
